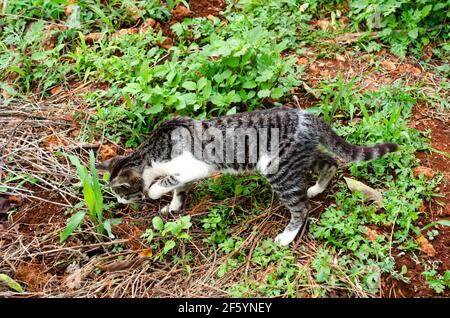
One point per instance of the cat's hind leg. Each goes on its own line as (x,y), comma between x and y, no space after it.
(325,166)
(288,183)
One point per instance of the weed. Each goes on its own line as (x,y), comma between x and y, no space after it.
(437,281)
(403,24)
(167,236)
(93,198)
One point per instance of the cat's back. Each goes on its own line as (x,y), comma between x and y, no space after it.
(283,118)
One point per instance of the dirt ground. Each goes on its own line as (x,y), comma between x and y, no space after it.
(35,218)
(437,209)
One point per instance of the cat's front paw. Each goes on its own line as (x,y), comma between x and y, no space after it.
(164,210)
(285,238)
(170,209)
(156,191)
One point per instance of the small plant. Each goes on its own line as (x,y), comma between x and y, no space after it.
(215,223)
(93,199)
(170,234)
(276,271)
(404,24)
(436,281)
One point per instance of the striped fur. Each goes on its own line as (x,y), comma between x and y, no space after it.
(299,136)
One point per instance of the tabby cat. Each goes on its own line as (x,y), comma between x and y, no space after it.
(282,144)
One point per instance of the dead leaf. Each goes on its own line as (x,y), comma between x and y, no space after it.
(69,8)
(372,194)
(302,61)
(416,71)
(108,151)
(303,7)
(348,38)
(73,280)
(6,95)
(53,142)
(215,175)
(149,23)
(16,199)
(125,31)
(371,234)
(167,44)
(92,37)
(55,90)
(128,151)
(340,58)
(422,207)
(324,24)
(388,65)
(74,133)
(134,14)
(428,172)
(426,247)
(5,204)
(180,12)
(408,68)
(122,265)
(148,252)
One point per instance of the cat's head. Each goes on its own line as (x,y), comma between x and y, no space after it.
(125,181)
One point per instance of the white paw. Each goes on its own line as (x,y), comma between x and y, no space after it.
(285,238)
(175,205)
(164,210)
(314,190)
(156,191)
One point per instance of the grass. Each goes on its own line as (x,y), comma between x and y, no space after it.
(245,60)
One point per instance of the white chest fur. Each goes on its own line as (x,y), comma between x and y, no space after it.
(184,165)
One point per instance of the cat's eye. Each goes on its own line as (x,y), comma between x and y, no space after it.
(125,186)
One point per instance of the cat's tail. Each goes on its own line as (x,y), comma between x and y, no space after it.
(347,151)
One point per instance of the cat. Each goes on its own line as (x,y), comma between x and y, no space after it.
(282,144)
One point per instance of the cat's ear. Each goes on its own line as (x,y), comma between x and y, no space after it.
(105,165)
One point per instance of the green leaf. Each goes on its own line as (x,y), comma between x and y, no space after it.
(265,76)
(249,84)
(168,246)
(189,98)
(207,90)
(426,10)
(155,109)
(132,88)
(177,28)
(72,224)
(98,197)
(413,33)
(264,93)
(218,100)
(186,221)
(11,283)
(443,222)
(189,85)
(102,15)
(158,223)
(201,83)
(107,226)
(231,111)
(277,92)
(149,235)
